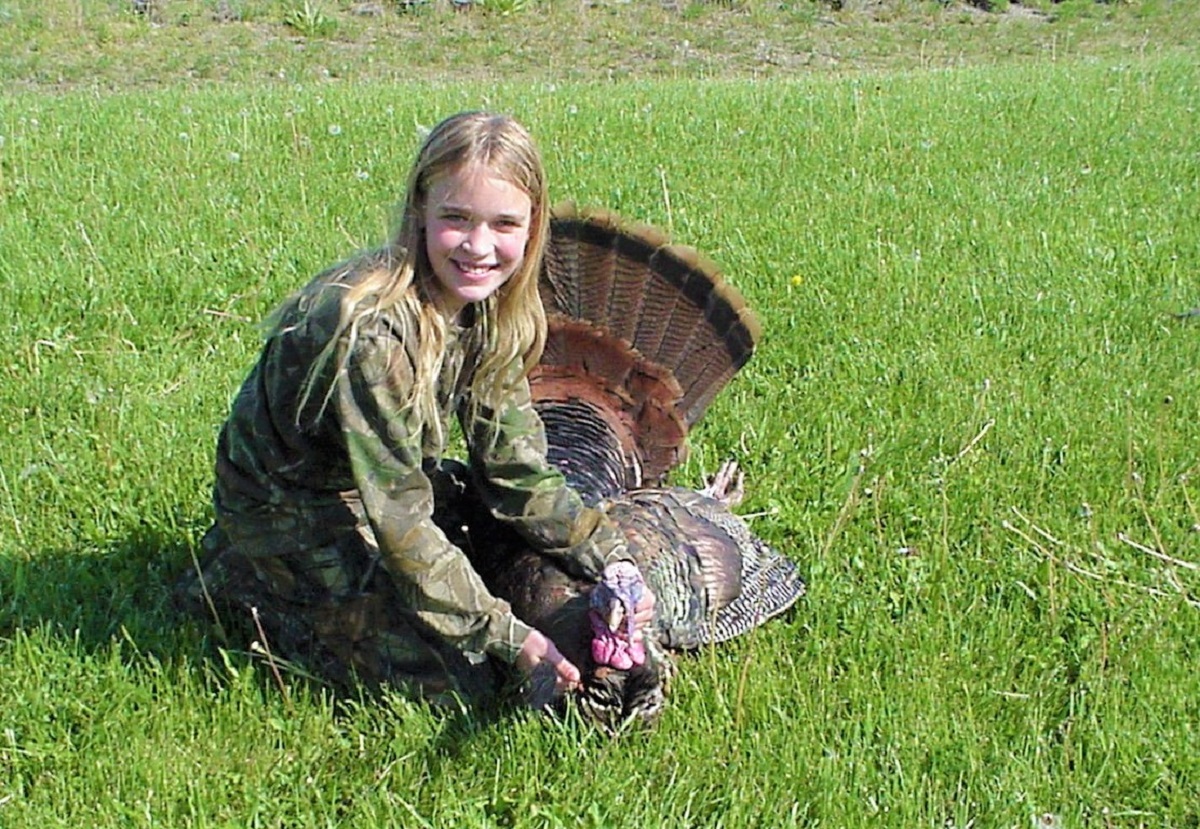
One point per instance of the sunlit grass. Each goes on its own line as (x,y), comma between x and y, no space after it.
(973,421)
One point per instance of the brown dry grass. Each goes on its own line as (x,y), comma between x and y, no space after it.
(69,44)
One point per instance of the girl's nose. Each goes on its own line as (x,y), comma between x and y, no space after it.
(478,239)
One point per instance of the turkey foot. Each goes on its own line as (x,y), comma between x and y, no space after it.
(727,485)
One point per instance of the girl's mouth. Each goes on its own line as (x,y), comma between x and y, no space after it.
(475,270)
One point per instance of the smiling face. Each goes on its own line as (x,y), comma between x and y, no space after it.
(476,230)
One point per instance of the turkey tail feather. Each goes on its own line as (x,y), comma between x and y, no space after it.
(665,309)
(669,302)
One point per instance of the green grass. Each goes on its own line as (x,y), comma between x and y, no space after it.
(972,381)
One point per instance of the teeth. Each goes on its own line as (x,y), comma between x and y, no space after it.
(475,269)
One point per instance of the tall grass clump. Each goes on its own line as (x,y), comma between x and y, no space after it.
(972,420)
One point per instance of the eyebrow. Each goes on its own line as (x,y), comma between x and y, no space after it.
(462,208)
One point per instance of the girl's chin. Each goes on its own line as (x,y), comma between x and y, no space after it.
(478,287)
(476,291)
(459,296)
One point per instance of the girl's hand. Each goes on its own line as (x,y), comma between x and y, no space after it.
(538,654)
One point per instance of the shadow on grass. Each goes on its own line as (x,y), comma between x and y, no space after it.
(93,597)
(94,594)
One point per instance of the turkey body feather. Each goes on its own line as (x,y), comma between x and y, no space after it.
(714,579)
(642,336)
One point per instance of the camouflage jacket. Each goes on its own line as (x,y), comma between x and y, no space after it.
(291,479)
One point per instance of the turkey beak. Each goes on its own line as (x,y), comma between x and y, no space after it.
(616,614)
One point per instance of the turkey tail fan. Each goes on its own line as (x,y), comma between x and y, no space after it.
(612,417)
(667,301)
(651,324)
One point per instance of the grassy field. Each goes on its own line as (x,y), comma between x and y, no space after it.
(973,421)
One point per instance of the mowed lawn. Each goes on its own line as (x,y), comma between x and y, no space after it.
(973,420)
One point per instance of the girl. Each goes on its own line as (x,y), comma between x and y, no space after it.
(335,520)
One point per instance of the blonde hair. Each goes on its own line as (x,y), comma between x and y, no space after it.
(512,320)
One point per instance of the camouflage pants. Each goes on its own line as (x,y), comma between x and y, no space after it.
(333,609)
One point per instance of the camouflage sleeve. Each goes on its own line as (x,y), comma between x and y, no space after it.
(383,439)
(508,447)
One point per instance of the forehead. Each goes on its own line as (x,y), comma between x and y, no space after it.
(477,186)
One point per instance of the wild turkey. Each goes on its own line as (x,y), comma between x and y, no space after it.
(642,336)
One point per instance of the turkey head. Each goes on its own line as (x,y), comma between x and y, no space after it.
(624,678)
(616,642)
